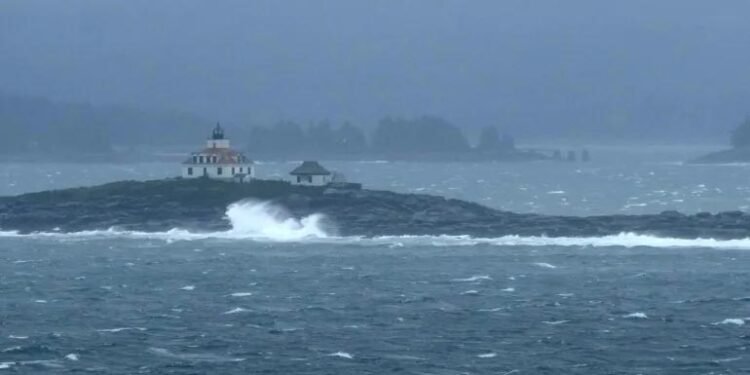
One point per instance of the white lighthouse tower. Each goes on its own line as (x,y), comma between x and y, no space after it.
(218,161)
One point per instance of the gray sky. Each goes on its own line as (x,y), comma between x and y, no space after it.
(560,67)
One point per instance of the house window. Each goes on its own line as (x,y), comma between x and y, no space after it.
(190,171)
(205,172)
(218,171)
(200,159)
(232,171)
(195,160)
(214,159)
(240,169)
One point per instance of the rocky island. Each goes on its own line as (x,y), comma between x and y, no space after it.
(738,153)
(200,205)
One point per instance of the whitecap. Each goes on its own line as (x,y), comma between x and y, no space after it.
(556,192)
(634,205)
(265,222)
(49,363)
(625,240)
(121,329)
(241,294)
(25,261)
(41,301)
(6,365)
(72,357)
(236,310)
(250,220)
(12,349)
(473,278)
(636,315)
(555,322)
(471,292)
(341,355)
(13,337)
(188,287)
(508,290)
(545,265)
(734,321)
(487,355)
(496,309)
(727,360)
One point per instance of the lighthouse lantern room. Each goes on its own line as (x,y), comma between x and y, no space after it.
(218,161)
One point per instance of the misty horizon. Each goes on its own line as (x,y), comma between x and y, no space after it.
(675,72)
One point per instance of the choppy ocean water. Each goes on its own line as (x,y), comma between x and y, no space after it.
(284,297)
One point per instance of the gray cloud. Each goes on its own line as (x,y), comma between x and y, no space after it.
(534,67)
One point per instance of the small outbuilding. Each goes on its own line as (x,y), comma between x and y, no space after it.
(311,173)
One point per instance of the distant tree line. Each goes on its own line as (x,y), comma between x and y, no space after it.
(393,137)
(741,135)
(290,139)
(39,127)
(43,129)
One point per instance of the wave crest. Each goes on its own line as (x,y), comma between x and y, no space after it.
(263,220)
(266,222)
(252,220)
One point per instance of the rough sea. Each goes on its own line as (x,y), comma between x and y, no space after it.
(284,297)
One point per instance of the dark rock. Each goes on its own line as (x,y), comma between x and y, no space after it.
(735,155)
(201,204)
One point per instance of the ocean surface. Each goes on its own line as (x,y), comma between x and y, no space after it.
(284,297)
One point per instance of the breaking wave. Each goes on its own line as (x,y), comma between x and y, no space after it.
(265,222)
(251,220)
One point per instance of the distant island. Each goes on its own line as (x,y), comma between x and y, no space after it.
(37,129)
(738,153)
(200,205)
(423,138)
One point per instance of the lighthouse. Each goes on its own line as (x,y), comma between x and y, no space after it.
(218,161)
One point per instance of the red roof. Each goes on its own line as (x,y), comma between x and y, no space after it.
(223,156)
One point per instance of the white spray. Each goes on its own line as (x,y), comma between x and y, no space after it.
(262,220)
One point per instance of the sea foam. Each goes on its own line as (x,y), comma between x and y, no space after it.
(250,220)
(265,222)
(341,355)
(636,315)
(734,321)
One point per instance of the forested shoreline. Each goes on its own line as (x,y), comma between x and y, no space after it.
(38,129)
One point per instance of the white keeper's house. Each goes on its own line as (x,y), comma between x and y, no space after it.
(218,161)
(311,173)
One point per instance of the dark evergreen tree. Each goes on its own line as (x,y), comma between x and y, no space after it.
(423,135)
(321,139)
(489,139)
(349,139)
(507,143)
(741,135)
